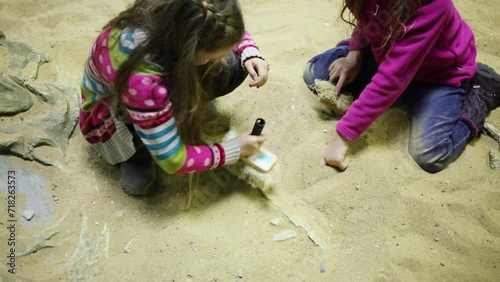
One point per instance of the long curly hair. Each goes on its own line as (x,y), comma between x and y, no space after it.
(400,13)
(176,31)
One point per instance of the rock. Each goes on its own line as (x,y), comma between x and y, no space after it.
(285,235)
(240,272)
(53,121)
(126,248)
(24,61)
(15,146)
(14,99)
(276,221)
(28,214)
(494,160)
(322,266)
(492,131)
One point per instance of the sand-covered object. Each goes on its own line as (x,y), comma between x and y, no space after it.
(327,95)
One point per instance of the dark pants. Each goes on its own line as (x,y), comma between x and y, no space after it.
(226,79)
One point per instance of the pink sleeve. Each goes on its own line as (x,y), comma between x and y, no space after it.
(358,40)
(246,41)
(397,70)
(148,104)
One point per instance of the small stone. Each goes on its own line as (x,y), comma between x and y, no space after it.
(494,160)
(492,131)
(322,266)
(436,239)
(436,225)
(28,214)
(325,131)
(448,182)
(276,221)
(126,249)
(240,272)
(442,264)
(55,198)
(285,235)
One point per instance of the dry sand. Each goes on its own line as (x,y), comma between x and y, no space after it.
(383,219)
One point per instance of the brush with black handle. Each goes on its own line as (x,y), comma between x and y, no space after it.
(263,159)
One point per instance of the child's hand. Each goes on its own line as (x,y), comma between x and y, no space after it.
(334,154)
(250,144)
(258,69)
(345,69)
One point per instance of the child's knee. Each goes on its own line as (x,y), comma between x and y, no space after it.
(309,74)
(429,162)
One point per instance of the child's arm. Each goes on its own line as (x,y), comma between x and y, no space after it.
(358,40)
(252,60)
(151,111)
(247,48)
(397,70)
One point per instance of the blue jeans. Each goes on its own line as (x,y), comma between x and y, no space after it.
(437,136)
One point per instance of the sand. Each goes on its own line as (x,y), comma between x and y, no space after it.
(383,219)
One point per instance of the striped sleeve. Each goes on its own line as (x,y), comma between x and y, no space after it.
(151,112)
(247,48)
(148,105)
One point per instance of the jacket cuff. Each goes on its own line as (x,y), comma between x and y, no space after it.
(248,53)
(231,151)
(342,130)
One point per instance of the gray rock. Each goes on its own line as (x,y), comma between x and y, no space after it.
(285,235)
(492,131)
(494,160)
(24,61)
(14,146)
(322,267)
(56,113)
(14,98)
(28,214)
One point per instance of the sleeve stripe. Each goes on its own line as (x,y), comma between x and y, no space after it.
(167,153)
(143,116)
(91,83)
(160,145)
(157,132)
(162,141)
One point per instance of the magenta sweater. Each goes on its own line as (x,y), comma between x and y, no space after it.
(437,47)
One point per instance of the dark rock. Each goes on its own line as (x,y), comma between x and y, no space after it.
(13,98)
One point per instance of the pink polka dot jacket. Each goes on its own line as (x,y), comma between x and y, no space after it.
(146,104)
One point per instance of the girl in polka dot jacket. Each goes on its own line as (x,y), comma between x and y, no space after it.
(153,71)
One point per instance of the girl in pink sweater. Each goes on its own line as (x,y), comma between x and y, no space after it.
(149,80)
(423,51)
